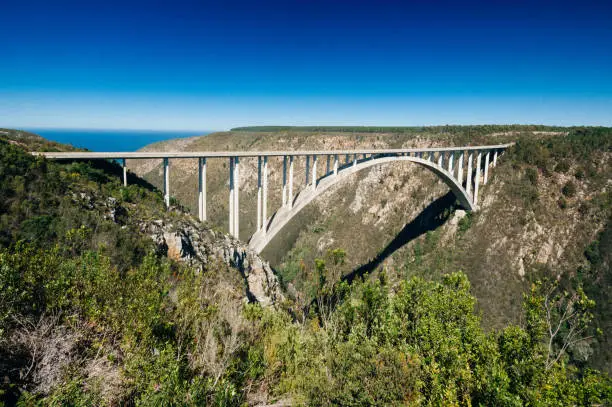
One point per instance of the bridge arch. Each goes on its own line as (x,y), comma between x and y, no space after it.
(283,215)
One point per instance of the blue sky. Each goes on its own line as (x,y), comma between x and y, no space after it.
(199,65)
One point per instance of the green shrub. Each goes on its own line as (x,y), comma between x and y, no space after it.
(569,189)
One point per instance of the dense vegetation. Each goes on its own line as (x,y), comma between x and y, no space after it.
(140,329)
(450,129)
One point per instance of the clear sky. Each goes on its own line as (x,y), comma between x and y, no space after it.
(212,65)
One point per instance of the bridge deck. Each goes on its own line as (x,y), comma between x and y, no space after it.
(213,154)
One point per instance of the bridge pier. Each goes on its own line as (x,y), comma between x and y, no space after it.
(284,181)
(468,180)
(477,179)
(441,159)
(328,164)
(236,200)
(290,201)
(202,188)
(494,158)
(231,196)
(259,193)
(124,165)
(167,182)
(264,209)
(460,169)
(450,161)
(307,171)
(335,164)
(314,172)
(486,169)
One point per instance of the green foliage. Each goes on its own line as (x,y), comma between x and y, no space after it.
(569,189)
(465,223)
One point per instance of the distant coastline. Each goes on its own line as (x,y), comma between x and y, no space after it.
(112,140)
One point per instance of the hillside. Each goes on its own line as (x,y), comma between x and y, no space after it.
(108,298)
(547,202)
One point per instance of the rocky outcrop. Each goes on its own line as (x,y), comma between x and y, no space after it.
(191,242)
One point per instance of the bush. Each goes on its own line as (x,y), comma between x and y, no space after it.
(569,189)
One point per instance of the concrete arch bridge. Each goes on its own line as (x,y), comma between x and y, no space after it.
(463,169)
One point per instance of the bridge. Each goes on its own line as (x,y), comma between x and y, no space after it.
(463,169)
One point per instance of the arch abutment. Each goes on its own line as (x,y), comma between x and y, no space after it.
(167,182)
(202,188)
(477,178)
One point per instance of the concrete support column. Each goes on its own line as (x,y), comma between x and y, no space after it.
(477,178)
(494,158)
(166,182)
(460,169)
(290,200)
(468,180)
(307,172)
(264,209)
(486,169)
(328,165)
(335,165)
(451,157)
(347,159)
(202,188)
(231,196)
(314,171)
(441,159)
(236,200)
(259,193)
(124,165)
(284,181)
(354,160)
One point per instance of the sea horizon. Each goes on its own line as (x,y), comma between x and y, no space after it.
(105,140)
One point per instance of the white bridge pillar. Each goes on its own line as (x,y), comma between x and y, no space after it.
(314,172)
(494,158)
(236,200)
(284,181)
(307,171)
(166,182)
(259,192)
(451,156)
(477,178)
(202,188)
(460,169)
(468,180)
(124,165)
(335,164)
(441,159)
(231,196)
(486,169)
(290,201)
(264,204)
(328,165)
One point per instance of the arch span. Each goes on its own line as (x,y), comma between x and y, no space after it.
(282,216)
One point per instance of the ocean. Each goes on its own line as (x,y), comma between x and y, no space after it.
(111,140)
